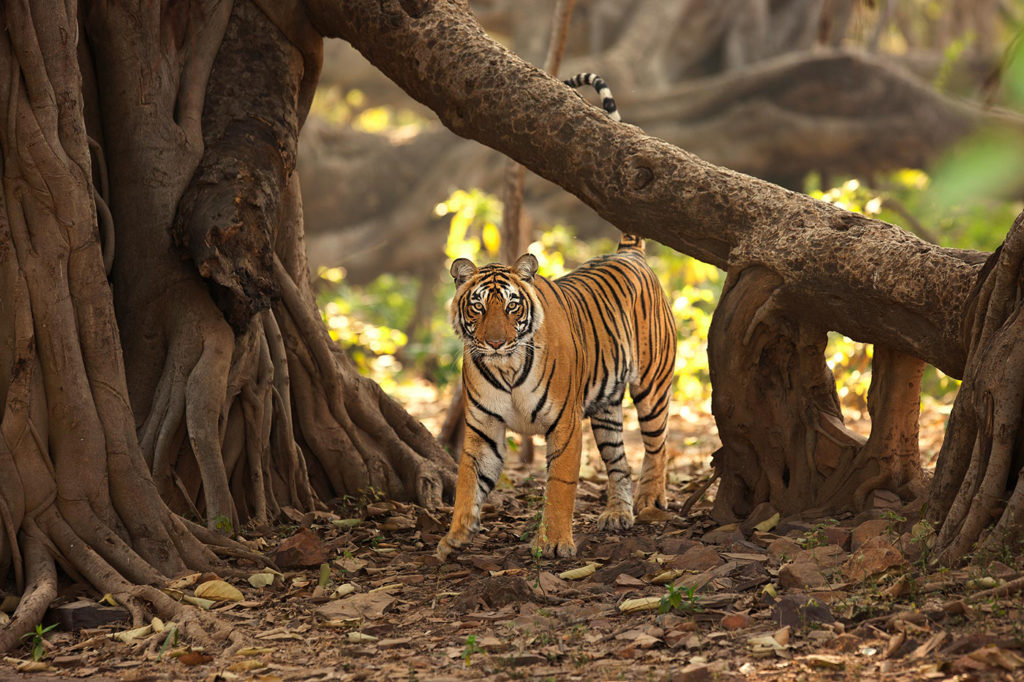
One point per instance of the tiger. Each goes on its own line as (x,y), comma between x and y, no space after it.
(541,355)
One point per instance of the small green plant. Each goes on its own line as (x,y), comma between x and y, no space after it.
(223,524)
(536,552)
(816,536)
(672,600)
(170,640)
(896,521)
(37,639)
(471,648)
(923,534)
(686,600)
(532,528)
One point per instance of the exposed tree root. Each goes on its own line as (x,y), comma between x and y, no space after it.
(783,439)
(978,474)
(74,484)
(356,435)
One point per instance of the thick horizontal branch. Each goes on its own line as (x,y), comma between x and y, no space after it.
(862,277)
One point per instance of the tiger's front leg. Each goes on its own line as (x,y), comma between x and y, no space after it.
(564,445)
(483,455)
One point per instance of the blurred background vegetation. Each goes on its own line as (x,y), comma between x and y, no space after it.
(964,192)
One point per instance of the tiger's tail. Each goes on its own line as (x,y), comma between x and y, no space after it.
(592,79)
(630,241)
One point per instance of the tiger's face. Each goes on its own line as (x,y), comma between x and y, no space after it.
(496,311)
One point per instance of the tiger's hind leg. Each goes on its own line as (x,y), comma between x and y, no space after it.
(652,413)
(607,428)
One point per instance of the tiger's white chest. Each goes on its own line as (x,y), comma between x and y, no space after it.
(519,397)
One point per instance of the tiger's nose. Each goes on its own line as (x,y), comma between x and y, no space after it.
(495,343)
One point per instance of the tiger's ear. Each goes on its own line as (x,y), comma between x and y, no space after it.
(526,267)
(462,269)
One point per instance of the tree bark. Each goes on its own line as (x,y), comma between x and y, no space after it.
(978,476)
(75,487)
(243,405)
(206,385)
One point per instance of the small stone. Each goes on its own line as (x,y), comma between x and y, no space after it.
(676,545)
(302,550)
(837,536)
(801,575)
(698,558)
(844,643)
(86,613)
(825,557)
(871,560)
(800,611)
(884,499)
(724,535)
(866,530)
(1000,571)
(735,621)
(782,549)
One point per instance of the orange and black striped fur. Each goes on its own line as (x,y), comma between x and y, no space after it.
(539,357)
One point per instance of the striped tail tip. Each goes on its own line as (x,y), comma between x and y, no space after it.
(603,91)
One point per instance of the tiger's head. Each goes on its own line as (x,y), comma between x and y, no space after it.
(496,311)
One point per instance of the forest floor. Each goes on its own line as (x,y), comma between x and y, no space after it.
(677,597)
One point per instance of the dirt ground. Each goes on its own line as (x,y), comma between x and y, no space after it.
(362,597)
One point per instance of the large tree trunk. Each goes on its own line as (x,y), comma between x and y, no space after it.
(811,266)
(74,486)
(199,378)
(242,402)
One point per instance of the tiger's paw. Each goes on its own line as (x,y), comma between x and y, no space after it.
(615,518)
(550,545)
(453,542)
(650,498)
(549,550)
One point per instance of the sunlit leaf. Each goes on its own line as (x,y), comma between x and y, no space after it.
(491,238)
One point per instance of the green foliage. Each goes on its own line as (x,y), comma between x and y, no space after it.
(223,524)
(474,224)
(170,640)
(471,648)
(37,639)
(369,322)
(686,600)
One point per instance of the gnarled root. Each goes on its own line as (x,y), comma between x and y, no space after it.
(774,398)
(978,474)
